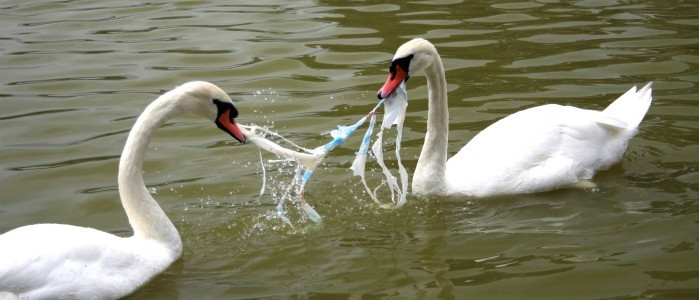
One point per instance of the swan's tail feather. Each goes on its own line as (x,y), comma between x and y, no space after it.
(632,106)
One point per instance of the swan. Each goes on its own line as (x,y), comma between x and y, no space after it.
(56,261)
(534,150)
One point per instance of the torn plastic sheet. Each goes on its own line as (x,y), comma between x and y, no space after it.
(395,106)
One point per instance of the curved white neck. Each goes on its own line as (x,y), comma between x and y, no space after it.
(145,215)
(430,173)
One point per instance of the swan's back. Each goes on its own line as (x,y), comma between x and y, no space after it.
(546,147)
(79,257)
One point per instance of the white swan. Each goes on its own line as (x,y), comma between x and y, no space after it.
(534,150)
(54,261)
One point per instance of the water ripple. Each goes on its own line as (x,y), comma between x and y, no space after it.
(79,72)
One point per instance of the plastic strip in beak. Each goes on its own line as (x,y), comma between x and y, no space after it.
(395,106)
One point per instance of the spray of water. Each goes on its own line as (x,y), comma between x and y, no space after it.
(307,160)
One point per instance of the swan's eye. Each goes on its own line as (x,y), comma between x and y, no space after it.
(403,63)
(226,107)
(234,112)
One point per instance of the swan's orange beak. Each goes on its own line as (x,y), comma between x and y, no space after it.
(393,81)
(227,124)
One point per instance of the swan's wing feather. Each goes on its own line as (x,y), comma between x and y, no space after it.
(611,123)
(78,256)
(536,149)
(632,106)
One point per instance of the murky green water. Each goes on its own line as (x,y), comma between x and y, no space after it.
(75,74)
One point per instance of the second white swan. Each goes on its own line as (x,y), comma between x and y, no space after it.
(534,150)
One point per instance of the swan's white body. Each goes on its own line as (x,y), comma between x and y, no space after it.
(55,261)
(538,149)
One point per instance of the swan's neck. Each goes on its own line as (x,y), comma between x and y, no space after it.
(430,173)
(145,215)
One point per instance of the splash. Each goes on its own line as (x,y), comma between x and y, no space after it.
(307,160)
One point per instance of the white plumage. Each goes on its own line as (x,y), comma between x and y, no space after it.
(55,261)
(533,150)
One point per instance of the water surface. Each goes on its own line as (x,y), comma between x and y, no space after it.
(75,74)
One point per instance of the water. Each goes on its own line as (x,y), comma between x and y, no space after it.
(75,74)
